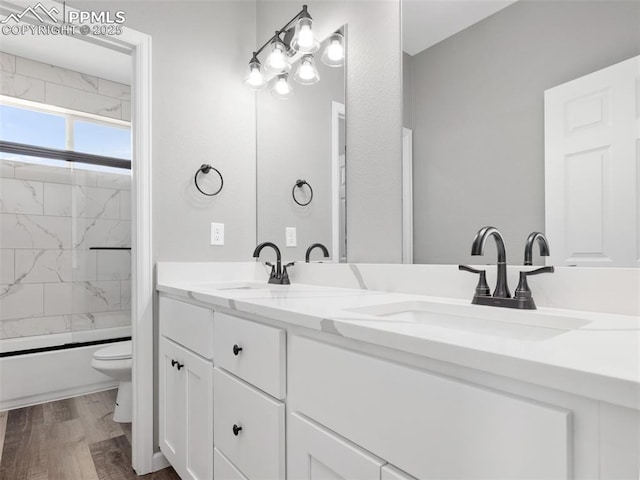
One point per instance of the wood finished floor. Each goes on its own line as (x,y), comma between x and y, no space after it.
(72,439)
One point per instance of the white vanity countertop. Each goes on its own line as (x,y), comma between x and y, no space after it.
(599,358)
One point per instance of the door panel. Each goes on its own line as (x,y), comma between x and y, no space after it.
(591,168)
(171,404)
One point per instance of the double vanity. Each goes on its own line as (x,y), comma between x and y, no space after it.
(334,377)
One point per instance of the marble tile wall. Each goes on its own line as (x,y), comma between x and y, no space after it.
(30,80)
(50,279)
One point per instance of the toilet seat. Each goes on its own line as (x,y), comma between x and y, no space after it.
(119,351)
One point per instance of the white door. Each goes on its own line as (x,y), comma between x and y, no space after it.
(172,404)
(198,391)
(318,454)
(591,168)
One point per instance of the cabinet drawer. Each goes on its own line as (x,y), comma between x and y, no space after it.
(188,325)
(261,361)
(258,449)
(425,424)
(223,469)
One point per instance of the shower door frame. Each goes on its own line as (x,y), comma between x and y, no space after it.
(138,46)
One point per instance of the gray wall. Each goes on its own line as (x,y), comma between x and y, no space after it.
(478,117)
(294,141)
(202,113)
(374,119)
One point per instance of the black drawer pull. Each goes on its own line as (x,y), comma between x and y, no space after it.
(236,430)
(236,350)
(175,363)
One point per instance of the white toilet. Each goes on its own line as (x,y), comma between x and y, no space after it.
(115,362)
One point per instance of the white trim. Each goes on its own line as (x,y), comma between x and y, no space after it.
(138,45)
(55,110)
(407,195)
(337,111)
(159,461)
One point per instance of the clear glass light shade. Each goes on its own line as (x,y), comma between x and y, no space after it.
(303,40)
(333,54)
(281,87)
(254,78)
(277,61)
(307,73)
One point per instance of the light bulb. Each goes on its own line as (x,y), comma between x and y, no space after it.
(306,71)
(305,36)
(335,51)
(282,86)
(277,59)
(255,78)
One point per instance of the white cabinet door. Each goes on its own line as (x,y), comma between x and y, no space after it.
(591,162)
(171,403)
(198,378)
(314,453)
(389,472)
(186,411)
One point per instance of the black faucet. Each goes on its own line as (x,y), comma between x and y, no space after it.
(528,248)
(325,252)
(279,273)
(477,248)
(501,295)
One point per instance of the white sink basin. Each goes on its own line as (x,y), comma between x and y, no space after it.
(500,322)
(237,286)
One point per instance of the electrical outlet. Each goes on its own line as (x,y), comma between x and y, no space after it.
(290,234)
(217,233)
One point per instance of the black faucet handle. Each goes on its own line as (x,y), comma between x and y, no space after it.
(273,269)
(523,290)
(482,288)
(285,274)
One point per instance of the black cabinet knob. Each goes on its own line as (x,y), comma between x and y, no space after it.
(178,365)
(236,350)
(236,430)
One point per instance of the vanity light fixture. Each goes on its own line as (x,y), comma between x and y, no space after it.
(307,73)
(333,55)
(281,87)
(298,39)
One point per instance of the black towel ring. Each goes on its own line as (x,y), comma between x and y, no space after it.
(206,169)
(299,184)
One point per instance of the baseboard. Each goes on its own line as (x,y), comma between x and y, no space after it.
(159,461)
(48,376)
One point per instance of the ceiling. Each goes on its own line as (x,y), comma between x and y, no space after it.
(427,22)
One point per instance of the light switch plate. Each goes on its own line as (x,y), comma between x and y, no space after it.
(290,233)
(217,233)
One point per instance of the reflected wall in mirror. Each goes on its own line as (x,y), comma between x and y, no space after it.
(302,138)
(475,76)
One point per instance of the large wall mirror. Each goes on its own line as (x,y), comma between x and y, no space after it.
(475,76)
(301,163)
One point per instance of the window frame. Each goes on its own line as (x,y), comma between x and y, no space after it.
(70,117)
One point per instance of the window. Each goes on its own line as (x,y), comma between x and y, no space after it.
(32,127)
(106,140)
(45,127)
